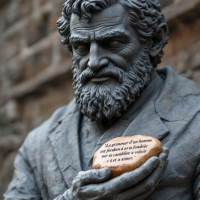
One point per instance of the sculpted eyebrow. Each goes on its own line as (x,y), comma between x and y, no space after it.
(111,35)
(78,39)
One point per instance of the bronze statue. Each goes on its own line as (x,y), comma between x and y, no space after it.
(116,46)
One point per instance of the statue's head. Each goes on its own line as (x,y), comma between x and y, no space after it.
(115,46)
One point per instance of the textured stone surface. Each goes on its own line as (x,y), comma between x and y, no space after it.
(124,154)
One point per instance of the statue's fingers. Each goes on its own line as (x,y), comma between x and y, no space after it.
(146,194)
(148,184)
(132,178)
(95,191)
(165,150)
(91,176)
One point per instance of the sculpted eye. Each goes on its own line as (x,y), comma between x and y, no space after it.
(115,46)
(81,47)
(114,43)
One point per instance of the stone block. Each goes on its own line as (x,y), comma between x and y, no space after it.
(9,112)
(42,2)
(54,16)
(15,129)
(14,11)
(37,29)
(6,172)
(1,86)
(37,63)
(39,107)
(178,61)
(11,13)
(10,143)
(11,47)
(182,38)
(25,8)
(14,72)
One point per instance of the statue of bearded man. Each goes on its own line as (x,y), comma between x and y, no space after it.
(116,46)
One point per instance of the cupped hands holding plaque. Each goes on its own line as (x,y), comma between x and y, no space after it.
(124,168)
(124,154)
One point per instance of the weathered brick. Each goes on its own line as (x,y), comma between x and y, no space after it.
(42,2)
(10,143)
(14,128)
(54,16)
(9,112)
(39,107)
(182,38)
(15,72)
(11,13)
(37,29)
(10,47)
(52,21)
(6,172)
(1,86)
(177,61)
(25,8)
(37,63)
(14,11)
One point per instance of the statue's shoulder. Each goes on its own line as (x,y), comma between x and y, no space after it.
(39,136)
(177,85)
(179,98)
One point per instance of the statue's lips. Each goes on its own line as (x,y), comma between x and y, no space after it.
(100,79)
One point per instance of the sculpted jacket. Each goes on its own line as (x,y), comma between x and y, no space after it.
(49,159)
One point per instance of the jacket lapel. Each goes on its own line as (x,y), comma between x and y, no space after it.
(65,141)
(147,123)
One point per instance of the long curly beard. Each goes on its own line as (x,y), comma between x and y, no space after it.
(101,101)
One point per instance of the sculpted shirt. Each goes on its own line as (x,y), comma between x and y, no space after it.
(50,157)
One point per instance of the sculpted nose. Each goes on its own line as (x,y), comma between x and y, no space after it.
(97,59)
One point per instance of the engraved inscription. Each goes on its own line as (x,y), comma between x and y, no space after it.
(124,151)
(124,154)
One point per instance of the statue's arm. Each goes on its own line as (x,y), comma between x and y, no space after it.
(23,185)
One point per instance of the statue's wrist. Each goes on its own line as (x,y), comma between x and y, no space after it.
(66,196)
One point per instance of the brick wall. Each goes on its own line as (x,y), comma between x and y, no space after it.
(183,50)
(35,76)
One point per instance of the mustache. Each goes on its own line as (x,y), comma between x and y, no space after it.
(110,70)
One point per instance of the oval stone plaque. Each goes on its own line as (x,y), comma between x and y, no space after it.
(124,154)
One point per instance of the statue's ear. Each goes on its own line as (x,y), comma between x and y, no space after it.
(158,40)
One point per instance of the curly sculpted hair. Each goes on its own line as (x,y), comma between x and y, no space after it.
(144,15)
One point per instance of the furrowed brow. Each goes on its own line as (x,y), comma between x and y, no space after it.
(110,35)
(73,39)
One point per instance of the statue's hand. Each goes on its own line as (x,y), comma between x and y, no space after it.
(135,185)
